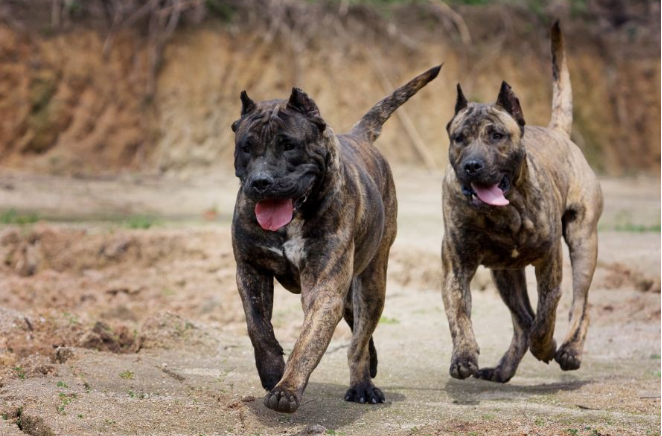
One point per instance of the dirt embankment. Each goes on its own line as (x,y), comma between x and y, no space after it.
(73,103)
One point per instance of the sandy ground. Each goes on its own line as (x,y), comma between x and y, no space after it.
(108,327)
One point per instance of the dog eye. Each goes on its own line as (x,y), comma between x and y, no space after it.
(459,139)
(496,136)
(289,146)
(246,148)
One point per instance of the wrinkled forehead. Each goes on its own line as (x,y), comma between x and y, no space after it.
(272,118)
(478,116)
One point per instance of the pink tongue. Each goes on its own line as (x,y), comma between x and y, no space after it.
(490,194)
(274,214)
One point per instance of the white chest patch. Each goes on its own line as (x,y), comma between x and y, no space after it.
(294,246)
(278,251)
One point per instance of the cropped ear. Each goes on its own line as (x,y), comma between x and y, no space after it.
(508,101)
(247,105)
(300,102)
(461,101)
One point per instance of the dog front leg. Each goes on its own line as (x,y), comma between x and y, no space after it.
(323,296)
(548,275)
(256,289)
(456,294)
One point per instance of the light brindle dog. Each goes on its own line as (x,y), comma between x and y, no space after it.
(317,212)
(511,193)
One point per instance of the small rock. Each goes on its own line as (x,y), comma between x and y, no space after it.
(313,429)
(62,354)
(247,398)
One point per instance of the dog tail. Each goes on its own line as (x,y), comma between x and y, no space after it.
(562,90)
(370,126)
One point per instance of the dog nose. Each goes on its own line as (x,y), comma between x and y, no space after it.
(473,167)
(261,182)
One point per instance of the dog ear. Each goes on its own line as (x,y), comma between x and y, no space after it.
(247,105)
(509,102)
(461,102)
(300,102)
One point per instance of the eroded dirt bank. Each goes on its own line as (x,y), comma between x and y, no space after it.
(80,99)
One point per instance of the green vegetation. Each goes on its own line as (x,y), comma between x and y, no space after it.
(221,9)
(11,216)
(126,374)
(624,222)
(637,228)
(71,318)
(62,384)
(65,400)
(20,372)
(387,320)
(19,421)
(140,222)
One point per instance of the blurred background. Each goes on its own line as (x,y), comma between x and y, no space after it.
(99,87)
(119,312)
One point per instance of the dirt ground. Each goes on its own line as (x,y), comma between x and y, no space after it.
(119,315)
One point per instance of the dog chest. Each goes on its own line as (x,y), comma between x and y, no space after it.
(294,246)
(506,255)
(292,249)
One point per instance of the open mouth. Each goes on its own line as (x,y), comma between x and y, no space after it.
(493,195)
(276,213)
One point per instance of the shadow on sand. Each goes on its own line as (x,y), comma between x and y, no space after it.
(323,404)
(472,391)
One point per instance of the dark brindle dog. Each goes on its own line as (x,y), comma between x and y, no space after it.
(511,195)
(317,212)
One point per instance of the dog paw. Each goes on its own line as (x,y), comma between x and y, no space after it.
(493,374)
(568,358)
(463,366)
(282,400)
(365,393)
(543,352)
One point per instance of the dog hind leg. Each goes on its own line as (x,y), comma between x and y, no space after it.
(582,240)
(548,275)
(367,304)
(349,318)
(512,288)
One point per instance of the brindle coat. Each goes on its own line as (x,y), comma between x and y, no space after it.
(335,250)
(553,194)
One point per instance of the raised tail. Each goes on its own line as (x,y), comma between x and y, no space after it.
(370,126)
(561,90)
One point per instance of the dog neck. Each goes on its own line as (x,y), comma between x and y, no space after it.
(523,176)
(331,182)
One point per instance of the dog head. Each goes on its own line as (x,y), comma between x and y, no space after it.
(283,148)
(486,151)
